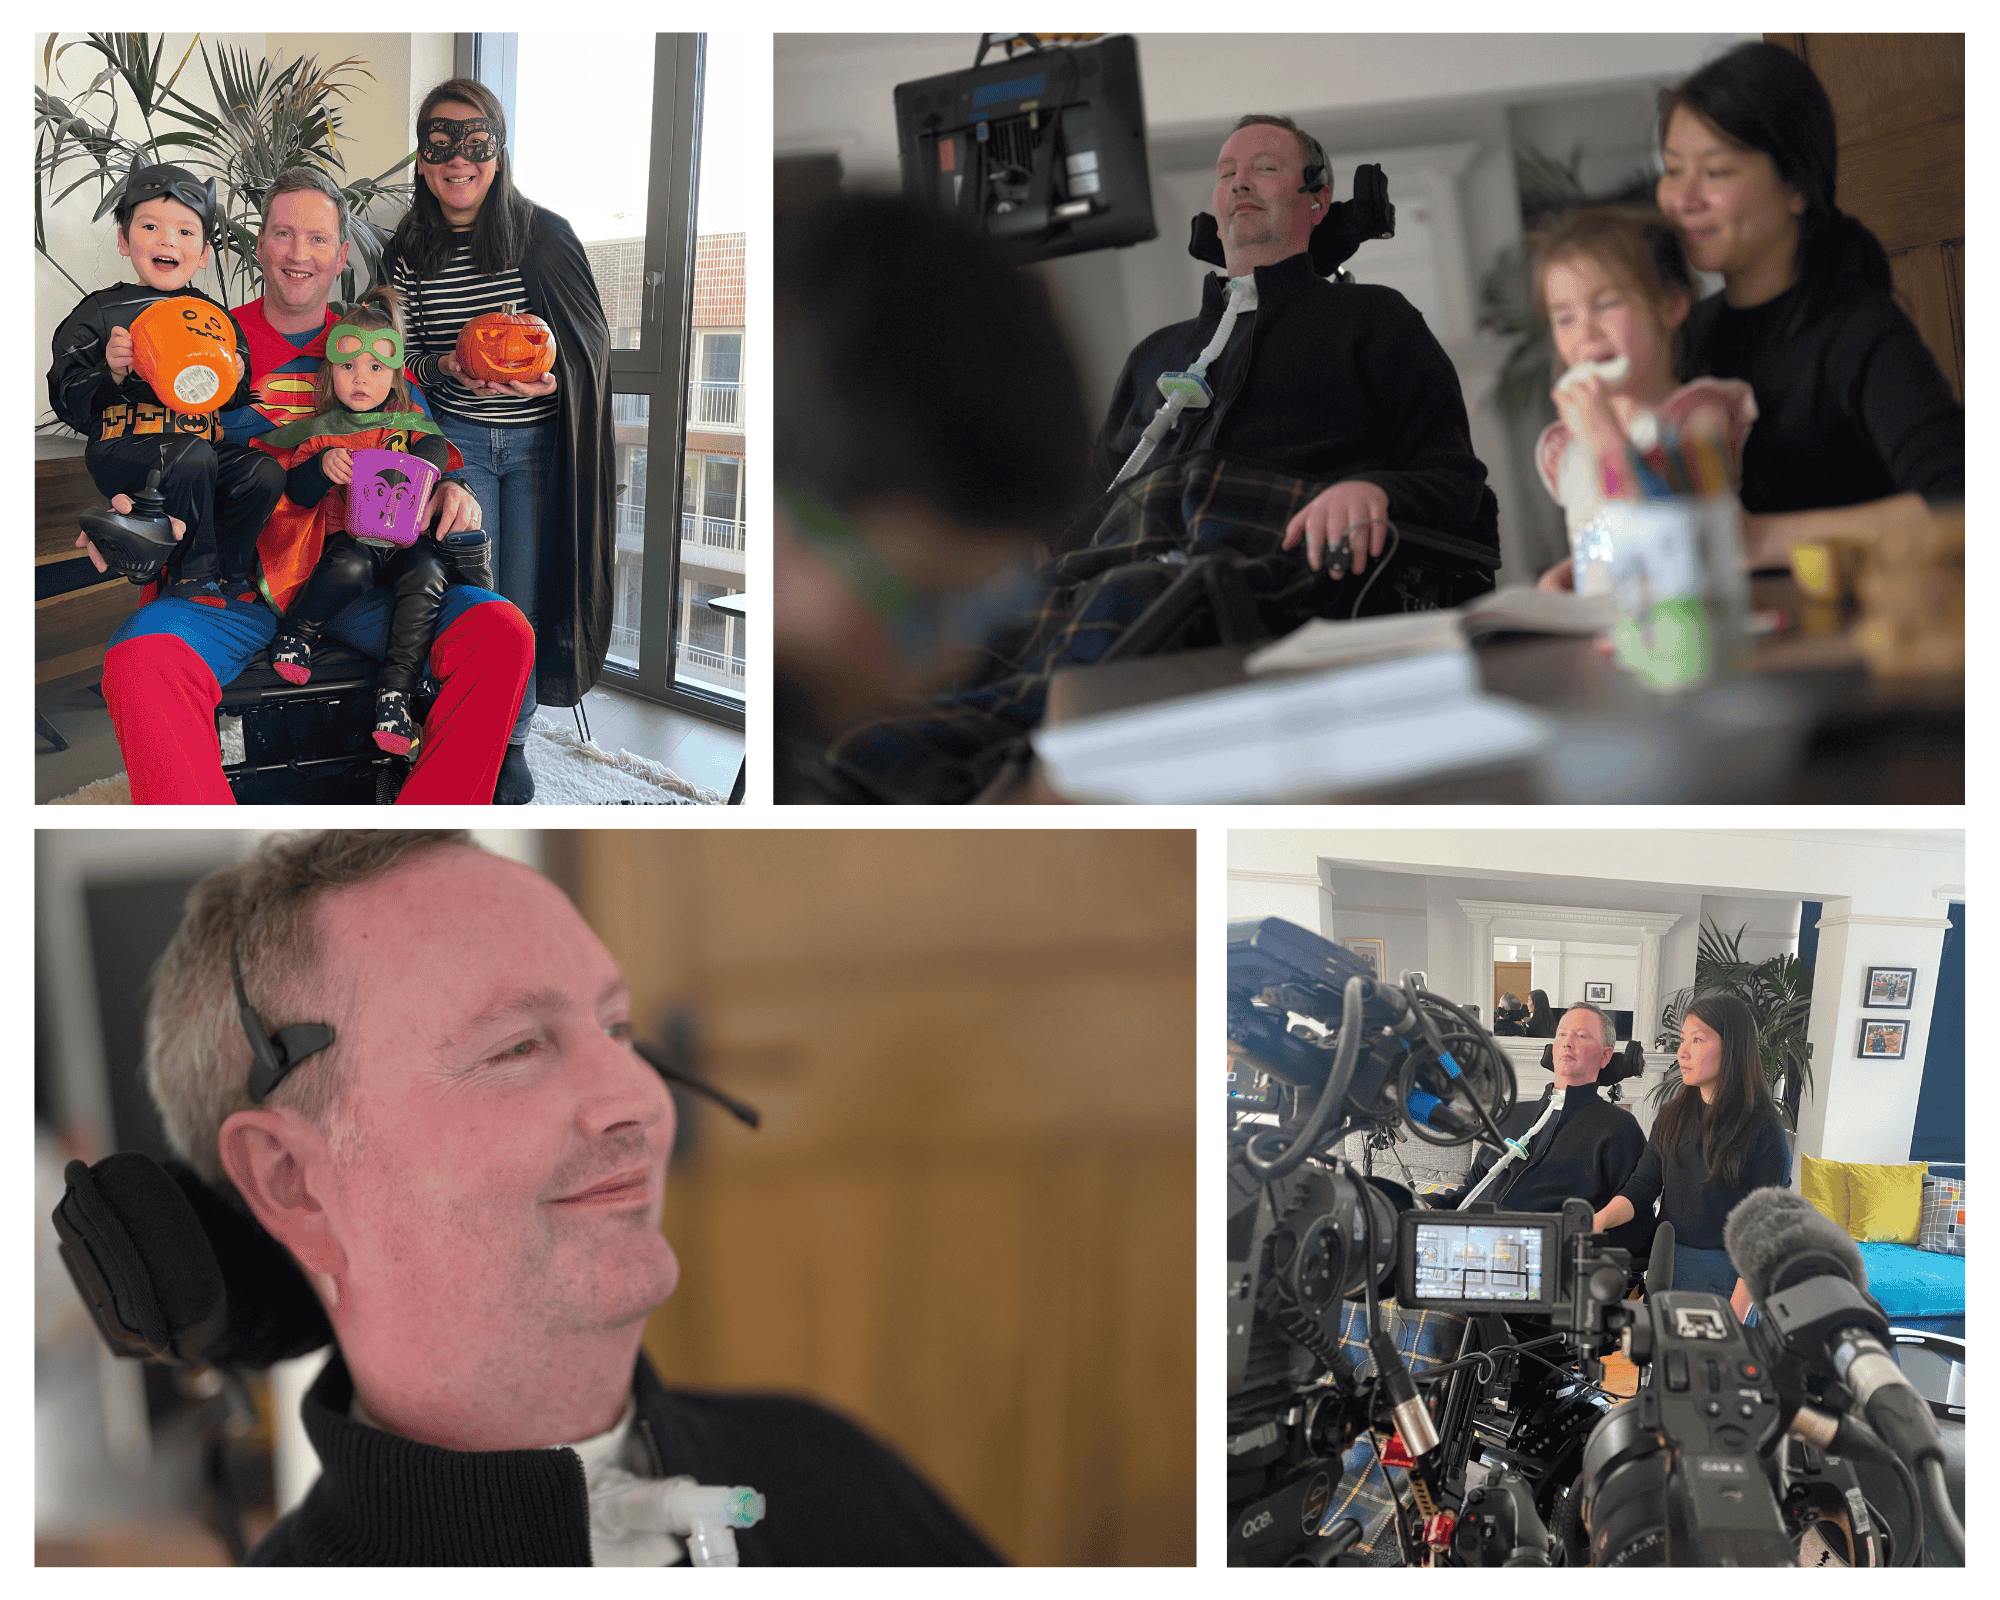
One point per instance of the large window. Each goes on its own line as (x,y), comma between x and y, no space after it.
(668,262)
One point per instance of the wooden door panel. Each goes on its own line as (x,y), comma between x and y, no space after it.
(968,1220)
(1907,185)
(1883,82)
(1925,285)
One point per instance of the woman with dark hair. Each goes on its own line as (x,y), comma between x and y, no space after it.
(1710,1148)
(1857,429)
(539,454)
(1541,1020)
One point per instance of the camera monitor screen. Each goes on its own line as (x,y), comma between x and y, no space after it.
(1453,1264)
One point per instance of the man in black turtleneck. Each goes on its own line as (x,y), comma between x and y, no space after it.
(1333,381)
(469,1171)
(1591,1147)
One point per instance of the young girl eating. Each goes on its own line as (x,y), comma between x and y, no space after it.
(362,402)
(1615,285)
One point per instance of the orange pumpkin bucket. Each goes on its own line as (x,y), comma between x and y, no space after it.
(185,348)
(506,346)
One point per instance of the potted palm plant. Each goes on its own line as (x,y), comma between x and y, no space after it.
(267,118)
(1778,991)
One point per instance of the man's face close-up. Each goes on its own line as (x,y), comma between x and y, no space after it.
(1580,1052)
(300,250)
(1257,199)
(509,1150)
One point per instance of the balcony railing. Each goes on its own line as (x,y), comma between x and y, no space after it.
(717,531)
(694,656)
(715,404)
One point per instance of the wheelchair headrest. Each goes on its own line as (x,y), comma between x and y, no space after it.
(1627,1063)
(172,1272)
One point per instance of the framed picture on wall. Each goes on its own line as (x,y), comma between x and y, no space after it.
(1889,988)
(1370,951)
(1883,1040)
(1598,994)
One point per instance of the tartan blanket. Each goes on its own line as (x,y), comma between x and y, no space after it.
(1189,506)
(1427,1339)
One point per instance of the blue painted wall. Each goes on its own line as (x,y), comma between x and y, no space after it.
(1939,1134)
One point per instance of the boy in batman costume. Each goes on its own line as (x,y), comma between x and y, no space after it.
(220,490)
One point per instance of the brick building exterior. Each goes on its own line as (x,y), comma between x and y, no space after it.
(712,531)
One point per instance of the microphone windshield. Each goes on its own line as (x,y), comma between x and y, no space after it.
(1776,1239)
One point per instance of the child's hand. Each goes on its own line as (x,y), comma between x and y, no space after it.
(337,464)
(1585,408)
(118,352)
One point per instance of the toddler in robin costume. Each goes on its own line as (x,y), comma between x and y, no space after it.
(361,402)
(166,222)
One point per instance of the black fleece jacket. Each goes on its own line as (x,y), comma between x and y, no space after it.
(1596,1148)
(836,1497)
(1336,381)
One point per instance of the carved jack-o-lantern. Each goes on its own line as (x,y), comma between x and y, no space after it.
(506,346)
(185,349)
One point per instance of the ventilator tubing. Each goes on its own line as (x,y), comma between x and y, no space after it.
(1517,1149)
(707,1518)
(1189,391)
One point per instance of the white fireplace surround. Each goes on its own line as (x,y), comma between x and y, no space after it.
(1491,918)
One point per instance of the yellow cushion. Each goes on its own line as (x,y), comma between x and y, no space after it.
(1824,1183)
(1885,1203)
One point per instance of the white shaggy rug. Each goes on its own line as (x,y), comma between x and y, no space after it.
(568,772)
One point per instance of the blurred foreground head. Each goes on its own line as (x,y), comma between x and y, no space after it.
(929,432)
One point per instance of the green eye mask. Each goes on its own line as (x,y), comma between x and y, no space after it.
(345,342)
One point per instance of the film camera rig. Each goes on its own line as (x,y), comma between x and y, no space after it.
(1741,1450)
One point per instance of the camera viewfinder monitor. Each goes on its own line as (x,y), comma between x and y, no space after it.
(1044,152)
(1446,1261)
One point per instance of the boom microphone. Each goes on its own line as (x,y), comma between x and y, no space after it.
(1809,1283)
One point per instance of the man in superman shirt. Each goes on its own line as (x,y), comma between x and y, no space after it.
(166,665)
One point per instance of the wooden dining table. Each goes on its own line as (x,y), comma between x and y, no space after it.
(1803,722)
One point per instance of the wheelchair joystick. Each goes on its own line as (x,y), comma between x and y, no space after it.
(138,543)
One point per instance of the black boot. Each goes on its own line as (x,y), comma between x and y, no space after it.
(516,784)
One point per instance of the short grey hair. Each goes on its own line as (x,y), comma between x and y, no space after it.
(1311,153)
(293,180)
(1607,1030)
(264,908)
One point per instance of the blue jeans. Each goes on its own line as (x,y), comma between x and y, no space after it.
(510,472)
(1710,1271)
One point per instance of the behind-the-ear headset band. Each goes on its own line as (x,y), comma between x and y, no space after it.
(273,1055)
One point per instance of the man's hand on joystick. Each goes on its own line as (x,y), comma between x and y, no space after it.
(1356,505)
(122,504)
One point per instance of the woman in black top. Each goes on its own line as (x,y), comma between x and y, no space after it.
(1857,429)
(1541,1020)
(1708,1149)
(538,453)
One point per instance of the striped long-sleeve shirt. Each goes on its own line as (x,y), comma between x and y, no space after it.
(435,308)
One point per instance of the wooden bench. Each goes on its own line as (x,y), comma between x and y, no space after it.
(76,609)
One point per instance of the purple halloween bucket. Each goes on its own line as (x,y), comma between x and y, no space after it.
(385,499)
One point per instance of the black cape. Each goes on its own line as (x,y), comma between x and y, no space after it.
(573,580)
(835,1496)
